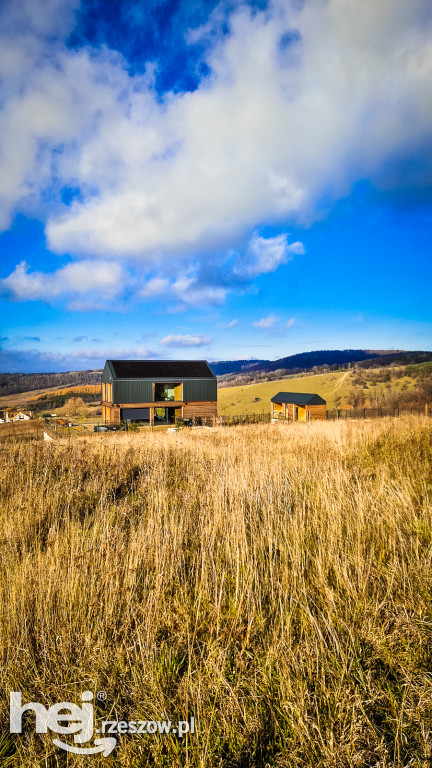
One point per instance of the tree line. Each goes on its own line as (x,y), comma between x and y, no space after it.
(14,383)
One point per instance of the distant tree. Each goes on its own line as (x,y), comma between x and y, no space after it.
(356,397)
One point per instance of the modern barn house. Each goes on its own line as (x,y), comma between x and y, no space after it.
(157,391)
(298,406)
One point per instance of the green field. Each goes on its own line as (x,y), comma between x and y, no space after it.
(238,401)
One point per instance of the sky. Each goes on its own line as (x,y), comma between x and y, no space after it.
(216,180)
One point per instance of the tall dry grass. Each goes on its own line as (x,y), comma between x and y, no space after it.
(273,581)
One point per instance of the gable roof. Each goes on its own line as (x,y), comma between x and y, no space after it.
(161,369)
(298,398)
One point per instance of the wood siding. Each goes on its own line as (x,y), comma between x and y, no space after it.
(316,412)
(113,414)
(199,409)
(161,404)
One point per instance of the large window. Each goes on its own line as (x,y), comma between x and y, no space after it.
(165,415)
(164,392)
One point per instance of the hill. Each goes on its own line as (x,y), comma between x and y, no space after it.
(255,398)
(16,383)
(329,358)
(383,386)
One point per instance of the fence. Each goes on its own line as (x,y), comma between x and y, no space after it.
(87,427)
(377,413)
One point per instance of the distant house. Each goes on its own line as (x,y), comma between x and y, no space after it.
(17,415)
(157,391)
(298,406)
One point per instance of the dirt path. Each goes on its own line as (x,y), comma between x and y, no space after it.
(340,382)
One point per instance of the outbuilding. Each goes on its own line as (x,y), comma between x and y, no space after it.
(158,391)
(298,406)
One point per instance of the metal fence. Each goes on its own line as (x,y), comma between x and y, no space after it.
(377,413)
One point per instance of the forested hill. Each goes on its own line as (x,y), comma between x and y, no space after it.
(14,383)
(305,361)
(294,363)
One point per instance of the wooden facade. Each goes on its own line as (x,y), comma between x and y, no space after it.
(298,406)
(157,392)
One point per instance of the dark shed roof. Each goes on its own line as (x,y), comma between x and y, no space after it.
(161,369)
(298,398)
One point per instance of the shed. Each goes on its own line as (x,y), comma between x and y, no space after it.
(298,406)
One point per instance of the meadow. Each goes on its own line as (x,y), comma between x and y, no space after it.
(273,581)
(334,387)
(255,398)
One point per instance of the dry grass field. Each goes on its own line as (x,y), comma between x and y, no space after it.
(273,581)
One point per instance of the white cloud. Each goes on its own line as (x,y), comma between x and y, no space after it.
(276,128)
(154,287)
(184,341)
(264,138)
(191,293)
(267,254)
(186,289)
(290,323)
(104,279)
(134,353)
(266,322)
(228,326)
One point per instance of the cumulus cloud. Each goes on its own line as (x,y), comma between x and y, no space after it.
(267,254)
(272,130)
(185,341)
(77,278)
(266,322)
(301,101)
(187,290)
(290,323)
(191,292)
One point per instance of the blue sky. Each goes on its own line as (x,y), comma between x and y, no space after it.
(213,180)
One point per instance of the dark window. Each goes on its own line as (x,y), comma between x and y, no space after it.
(135,414)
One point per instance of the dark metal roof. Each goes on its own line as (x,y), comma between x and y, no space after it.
(161,369)
(298,398)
